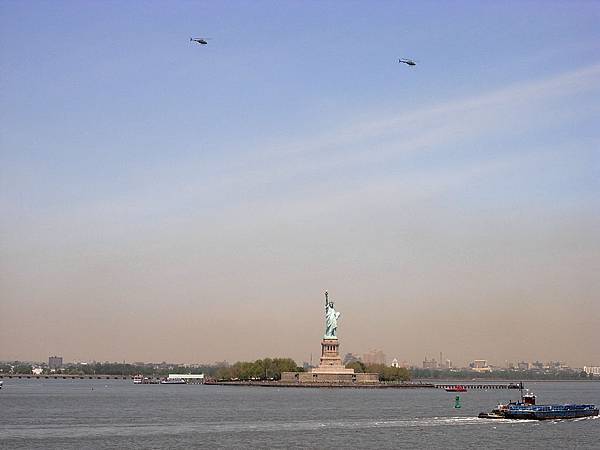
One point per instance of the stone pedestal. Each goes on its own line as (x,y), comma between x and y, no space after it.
(331,362)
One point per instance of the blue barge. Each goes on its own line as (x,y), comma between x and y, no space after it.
(526,409)
(545,412)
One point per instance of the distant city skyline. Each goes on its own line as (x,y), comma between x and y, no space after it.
(162,200)
(372,357)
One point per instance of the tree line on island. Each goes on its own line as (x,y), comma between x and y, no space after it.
(261,369)
(386,373)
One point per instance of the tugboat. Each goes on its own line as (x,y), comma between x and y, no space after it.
(526,409)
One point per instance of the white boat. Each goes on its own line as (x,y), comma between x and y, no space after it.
(173,381)
(138,379)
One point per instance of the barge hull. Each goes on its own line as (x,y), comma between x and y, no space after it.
(550,415)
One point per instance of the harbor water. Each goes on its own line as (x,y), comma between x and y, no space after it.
(74,414)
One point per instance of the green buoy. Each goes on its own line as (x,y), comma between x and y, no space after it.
(457,402)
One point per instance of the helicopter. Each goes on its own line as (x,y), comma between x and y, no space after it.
(408,62)
(202,41)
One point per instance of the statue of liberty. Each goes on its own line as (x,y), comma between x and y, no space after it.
(331,318)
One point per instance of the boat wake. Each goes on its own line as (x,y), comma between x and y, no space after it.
(148,429)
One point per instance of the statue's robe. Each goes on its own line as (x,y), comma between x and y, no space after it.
(331,317)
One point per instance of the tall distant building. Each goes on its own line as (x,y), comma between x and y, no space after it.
(395,363)
(430,364)
(55,362)
(374,357)
(350,358)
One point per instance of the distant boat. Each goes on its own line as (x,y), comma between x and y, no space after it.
(526,409)
(458,388)
(173,381)
(140,379)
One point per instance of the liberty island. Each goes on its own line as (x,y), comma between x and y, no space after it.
(331,369)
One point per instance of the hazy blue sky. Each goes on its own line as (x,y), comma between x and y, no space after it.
(161,200)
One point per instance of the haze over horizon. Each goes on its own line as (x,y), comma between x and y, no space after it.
(162,200)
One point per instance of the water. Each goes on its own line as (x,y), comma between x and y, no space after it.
(78,414)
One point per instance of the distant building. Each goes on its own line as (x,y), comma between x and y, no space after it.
(55,362)
(374,357)
(448,364)
(594,370)
(222,364)
(430,364)
(558,365)
(480,365)
(350,358)
(523,365)
(395,363)
(37,371)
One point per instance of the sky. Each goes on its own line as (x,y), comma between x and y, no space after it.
(166,201)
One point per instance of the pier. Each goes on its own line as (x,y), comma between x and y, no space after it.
(60,376)
(482,386)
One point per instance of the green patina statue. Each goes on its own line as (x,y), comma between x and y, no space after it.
(331,319)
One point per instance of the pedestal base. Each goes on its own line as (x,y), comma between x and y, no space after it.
(330,377)
(330,356)
(330,370)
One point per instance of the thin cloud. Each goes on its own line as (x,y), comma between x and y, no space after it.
(565,84)
(432,128)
